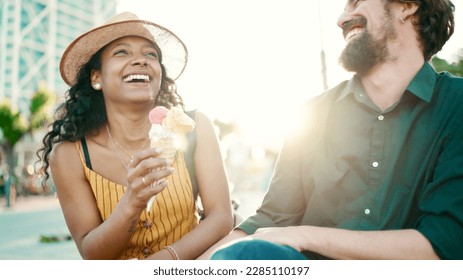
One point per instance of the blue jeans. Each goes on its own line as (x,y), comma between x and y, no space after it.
(257,249)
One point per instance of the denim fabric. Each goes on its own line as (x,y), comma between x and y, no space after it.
(257,250)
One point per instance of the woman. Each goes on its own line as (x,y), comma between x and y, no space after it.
(99,155)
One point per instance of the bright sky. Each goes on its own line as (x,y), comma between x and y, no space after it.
(255,61)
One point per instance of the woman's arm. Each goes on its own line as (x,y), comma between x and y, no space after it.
(94,238)
(214,193)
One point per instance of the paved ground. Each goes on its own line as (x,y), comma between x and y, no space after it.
(23,225)
(29,203)
(33,217)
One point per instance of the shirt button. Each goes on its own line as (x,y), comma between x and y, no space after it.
(375,164)
(367,211)
(147,224)
(380,117)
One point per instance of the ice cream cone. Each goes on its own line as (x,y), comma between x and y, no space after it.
(166,145)
(167,126)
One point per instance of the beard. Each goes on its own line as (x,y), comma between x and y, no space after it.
(365,52)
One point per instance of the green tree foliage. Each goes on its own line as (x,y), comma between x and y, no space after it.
(12,124)
(39,115)
(456,68)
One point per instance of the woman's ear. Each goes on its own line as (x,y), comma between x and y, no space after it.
(95,78)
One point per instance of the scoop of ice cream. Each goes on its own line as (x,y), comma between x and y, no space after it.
(168,126)
(157,132)
(157,114)
(177,121)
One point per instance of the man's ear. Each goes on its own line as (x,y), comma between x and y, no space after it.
(408,8)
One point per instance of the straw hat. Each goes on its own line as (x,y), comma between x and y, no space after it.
(174,53)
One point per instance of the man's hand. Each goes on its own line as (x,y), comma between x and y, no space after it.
(290,236)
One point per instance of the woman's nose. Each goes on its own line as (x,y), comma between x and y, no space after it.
(140,60)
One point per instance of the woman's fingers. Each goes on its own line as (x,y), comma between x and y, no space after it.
(142,157)
(157,187)
(147,175)
(145,162)
(156,175)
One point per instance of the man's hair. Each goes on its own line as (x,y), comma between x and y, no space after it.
(434,21)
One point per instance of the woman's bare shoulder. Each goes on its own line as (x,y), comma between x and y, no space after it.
(65,155)
(63,150)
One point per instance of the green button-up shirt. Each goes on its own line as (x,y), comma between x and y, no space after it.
(352,166)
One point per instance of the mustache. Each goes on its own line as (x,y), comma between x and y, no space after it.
(348,25)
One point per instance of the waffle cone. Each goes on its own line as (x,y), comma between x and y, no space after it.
(167,147)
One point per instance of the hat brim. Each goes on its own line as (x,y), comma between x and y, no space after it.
(79,52)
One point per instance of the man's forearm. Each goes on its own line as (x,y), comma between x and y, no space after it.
(348,244)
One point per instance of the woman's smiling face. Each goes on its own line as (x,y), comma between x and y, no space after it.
(130,68)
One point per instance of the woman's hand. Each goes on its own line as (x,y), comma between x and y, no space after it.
(146,176)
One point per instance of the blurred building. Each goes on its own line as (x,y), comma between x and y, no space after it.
(33,35)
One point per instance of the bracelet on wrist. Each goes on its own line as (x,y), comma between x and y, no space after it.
(173,252)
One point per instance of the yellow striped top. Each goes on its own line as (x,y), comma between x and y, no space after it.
(172,216)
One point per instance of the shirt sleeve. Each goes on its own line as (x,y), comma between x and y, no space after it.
(285,202)
(282,204)
(442,201)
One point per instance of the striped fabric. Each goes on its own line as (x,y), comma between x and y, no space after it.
(172,216)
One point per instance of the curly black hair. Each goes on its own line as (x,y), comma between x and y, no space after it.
(434,21)
(84,110)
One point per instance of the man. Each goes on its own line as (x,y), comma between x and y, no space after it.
(376,171)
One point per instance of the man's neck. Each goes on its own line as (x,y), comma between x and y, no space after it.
(386,83)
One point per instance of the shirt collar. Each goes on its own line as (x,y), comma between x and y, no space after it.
(353,86)
(422,84)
